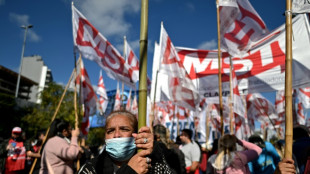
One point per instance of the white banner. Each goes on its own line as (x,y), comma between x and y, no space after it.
(301,6)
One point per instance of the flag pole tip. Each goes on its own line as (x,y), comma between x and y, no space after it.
(72,3)
(162,23)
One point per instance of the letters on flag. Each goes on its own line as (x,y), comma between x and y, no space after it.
(94,46)
(240,27)
(101,91)
(300,6)
(181,89)
(88,97)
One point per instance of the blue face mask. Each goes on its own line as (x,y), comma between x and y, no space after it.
(121,149)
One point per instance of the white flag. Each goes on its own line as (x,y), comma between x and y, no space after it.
(239,107)
(132,62)
(301,119)
(240,26)
(301,6)
(304,96)
(182,91)
(88,97)
(101,91)
(94,46)
(117,101)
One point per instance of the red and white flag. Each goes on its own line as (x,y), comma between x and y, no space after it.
(101,91)
(239,107)
(304,96)
(128,104)
(301,119)
(132,63)
(280,101)
(260,109)
(94,46)
(182,90)
(117,101)
(240,26)
(88,97)
(134,106)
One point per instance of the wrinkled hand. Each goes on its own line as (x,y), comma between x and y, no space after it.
(286,166)
(144,134)
(139,162)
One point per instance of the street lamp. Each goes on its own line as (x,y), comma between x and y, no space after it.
(21,59)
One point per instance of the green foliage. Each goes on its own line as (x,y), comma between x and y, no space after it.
(95,137)
(11,114)
(41,116)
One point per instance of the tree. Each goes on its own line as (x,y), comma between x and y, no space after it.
(41,116)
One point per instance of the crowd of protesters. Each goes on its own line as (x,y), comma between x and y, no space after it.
(157,152)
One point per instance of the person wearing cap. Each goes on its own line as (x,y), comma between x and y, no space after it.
(191,151)
(13,152)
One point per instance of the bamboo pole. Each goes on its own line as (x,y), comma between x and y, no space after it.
(288,83)
(143,64)
(231,109)
(53,118)
(124,55)
(219,66)
(75,101)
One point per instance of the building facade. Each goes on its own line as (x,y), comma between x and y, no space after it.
(33,67)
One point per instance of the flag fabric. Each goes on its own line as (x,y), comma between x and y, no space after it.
(300,6)
(103,98)
(280,101)
(182,91)
(240,27)
(260,109)
(88,97)
(94,46)
(132,63)
(301,119)
(239,107)
(304,96)
(117,101)
(229,3)
(134,106)
(128,104)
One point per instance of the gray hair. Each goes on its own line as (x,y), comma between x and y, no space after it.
(131,116)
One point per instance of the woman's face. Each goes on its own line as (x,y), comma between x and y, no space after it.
(119,126)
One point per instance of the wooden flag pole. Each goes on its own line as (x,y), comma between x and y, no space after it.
(209,107)
(288,83)
(143,64)
(53,118)
(219,66)
(231,109)
(75,101)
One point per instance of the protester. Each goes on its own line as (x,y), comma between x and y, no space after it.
(301,145)
(60,151)
(120,155)
(191,152)
(229,160)
(174,156)
(267,160)
(13,153)
(34,153)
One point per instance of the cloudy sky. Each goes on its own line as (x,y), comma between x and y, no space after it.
(189,23)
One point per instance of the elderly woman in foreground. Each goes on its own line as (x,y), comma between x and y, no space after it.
(122,139)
